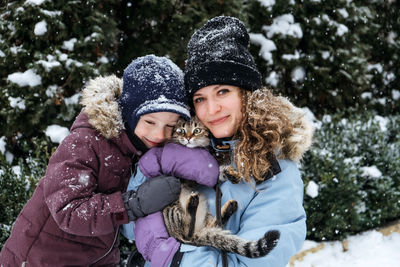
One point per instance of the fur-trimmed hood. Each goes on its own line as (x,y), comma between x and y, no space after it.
(299,139)
(100,101)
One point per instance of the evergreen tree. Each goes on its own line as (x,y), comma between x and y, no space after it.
(384,91)
(324,54)
(163,27)
(48,49)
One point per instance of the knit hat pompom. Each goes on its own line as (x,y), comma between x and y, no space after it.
(218,54)
(152,84)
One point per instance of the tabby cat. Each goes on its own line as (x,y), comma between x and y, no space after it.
(189,220)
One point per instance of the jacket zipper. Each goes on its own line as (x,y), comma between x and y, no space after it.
(108,252)
(218,198)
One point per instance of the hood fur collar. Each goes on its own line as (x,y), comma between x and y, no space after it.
(100,101)
(299,139)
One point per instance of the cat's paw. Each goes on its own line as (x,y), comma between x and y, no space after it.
(222,177)
(193,201)
(232,177)
(229,208)
(228,173)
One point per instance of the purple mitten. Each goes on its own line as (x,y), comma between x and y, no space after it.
(195,164)
(153,241)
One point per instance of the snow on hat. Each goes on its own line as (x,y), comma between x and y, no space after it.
(152,84)
(218,54)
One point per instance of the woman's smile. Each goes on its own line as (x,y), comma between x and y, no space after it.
(219,120)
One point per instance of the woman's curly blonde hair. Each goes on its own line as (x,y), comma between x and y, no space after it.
(262,132)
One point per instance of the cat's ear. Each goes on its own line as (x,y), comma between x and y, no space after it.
(181,120)
(197,120)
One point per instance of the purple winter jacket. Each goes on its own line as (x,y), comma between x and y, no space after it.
(75,212)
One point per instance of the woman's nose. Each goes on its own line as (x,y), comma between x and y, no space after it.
(213,107)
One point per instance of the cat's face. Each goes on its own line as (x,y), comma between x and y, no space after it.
(191,133)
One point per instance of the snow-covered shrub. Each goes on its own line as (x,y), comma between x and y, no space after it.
(330,54)
(13,196)
(17,183)
(48,49)
(352,175)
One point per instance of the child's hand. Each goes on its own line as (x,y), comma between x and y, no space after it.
(153,241)
(195,164)
(152,196)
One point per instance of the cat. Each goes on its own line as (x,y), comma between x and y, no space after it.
(194,134)
(189,220)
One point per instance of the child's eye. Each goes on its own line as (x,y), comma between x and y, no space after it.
(171,126)
(198,100)
(197,131)
(150,122)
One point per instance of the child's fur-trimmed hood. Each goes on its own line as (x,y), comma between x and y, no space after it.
(100,101)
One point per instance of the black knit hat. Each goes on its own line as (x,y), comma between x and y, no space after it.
(152,84)
(218,54)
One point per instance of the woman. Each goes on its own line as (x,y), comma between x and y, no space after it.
(75,212)
(265,135)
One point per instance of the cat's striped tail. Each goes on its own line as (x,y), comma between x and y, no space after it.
(228,242)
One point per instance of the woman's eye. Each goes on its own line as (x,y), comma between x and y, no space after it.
(170,126)
(223,91)
(150,122)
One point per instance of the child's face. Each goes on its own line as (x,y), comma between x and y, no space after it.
(156,128)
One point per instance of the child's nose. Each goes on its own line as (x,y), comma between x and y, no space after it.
(159,136)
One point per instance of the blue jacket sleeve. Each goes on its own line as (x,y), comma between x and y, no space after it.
(277,204)
(134,182)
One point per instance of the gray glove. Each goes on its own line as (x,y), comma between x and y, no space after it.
(152,196)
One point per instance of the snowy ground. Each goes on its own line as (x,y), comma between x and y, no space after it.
(369,249)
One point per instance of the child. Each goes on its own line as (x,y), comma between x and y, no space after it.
(75,212)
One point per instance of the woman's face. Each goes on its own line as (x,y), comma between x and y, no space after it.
(219,108)
(156,128)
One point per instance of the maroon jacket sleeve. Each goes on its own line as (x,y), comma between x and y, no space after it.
(71,189)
